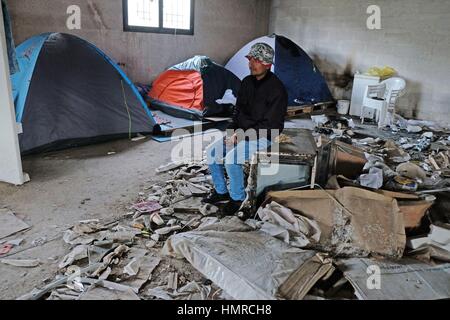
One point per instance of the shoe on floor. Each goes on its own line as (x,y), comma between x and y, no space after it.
(215,197)
(232,207)
(244,215)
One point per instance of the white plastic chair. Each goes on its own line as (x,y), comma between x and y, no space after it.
(374,99)
(383,98)
(395,88)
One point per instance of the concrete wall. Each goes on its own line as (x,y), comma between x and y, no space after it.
(221,28)
(414,39)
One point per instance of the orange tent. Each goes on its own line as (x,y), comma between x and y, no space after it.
(191,89)
(183,89)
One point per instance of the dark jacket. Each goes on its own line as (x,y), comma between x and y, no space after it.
(261,104)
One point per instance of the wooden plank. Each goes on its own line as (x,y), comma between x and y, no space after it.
(294,111)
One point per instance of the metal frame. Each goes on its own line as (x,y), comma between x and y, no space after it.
(308,159)
(128,28)
(10,159)
(253,200)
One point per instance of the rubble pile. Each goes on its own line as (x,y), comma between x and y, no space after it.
(116,259)
(408,161)
(300,244)
(409,156)
(337,231)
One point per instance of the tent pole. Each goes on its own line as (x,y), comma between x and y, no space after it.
(10,160)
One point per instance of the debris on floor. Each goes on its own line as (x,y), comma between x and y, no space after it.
(21,263)
(217,251)
(116,259)
(5,249)
(39,241)
(147,207)
(99,293)
(191,291)
(353,222)
(404,280)
(14,242)
(10,224)
(371,210)
(435,246)
(282,223)
(421,158)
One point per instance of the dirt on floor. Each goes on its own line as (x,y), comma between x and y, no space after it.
(93,182)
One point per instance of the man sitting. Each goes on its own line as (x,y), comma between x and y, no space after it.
(261,107)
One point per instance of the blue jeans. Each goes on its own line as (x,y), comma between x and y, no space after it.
(221,157)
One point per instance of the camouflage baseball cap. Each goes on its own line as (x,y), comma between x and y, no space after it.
(262,52)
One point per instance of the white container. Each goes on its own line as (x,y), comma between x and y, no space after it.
(343,106)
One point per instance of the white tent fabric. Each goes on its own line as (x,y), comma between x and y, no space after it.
(239,63)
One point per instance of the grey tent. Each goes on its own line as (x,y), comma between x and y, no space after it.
(69,93)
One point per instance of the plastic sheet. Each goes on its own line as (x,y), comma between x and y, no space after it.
(228,98)
(247,265)
(197,63)
(383,73)
(374,179)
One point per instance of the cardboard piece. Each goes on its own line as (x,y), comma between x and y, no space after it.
(413,212)
(191,205)
(99,293)
(147,265)
(353,222)
(398,195)
(296,286)
(346,160)
(412,208)
(10,224)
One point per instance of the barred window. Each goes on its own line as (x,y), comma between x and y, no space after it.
(159,16)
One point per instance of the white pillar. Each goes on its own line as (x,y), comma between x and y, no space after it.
(10,160)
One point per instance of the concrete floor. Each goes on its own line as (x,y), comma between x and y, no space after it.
(72,185)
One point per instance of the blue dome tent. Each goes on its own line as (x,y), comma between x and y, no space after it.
(69,93)
(302,79)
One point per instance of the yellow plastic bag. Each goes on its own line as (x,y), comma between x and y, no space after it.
(385,72)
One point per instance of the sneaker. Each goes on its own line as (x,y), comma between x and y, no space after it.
(215,197)
(232,207)
(244,215)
